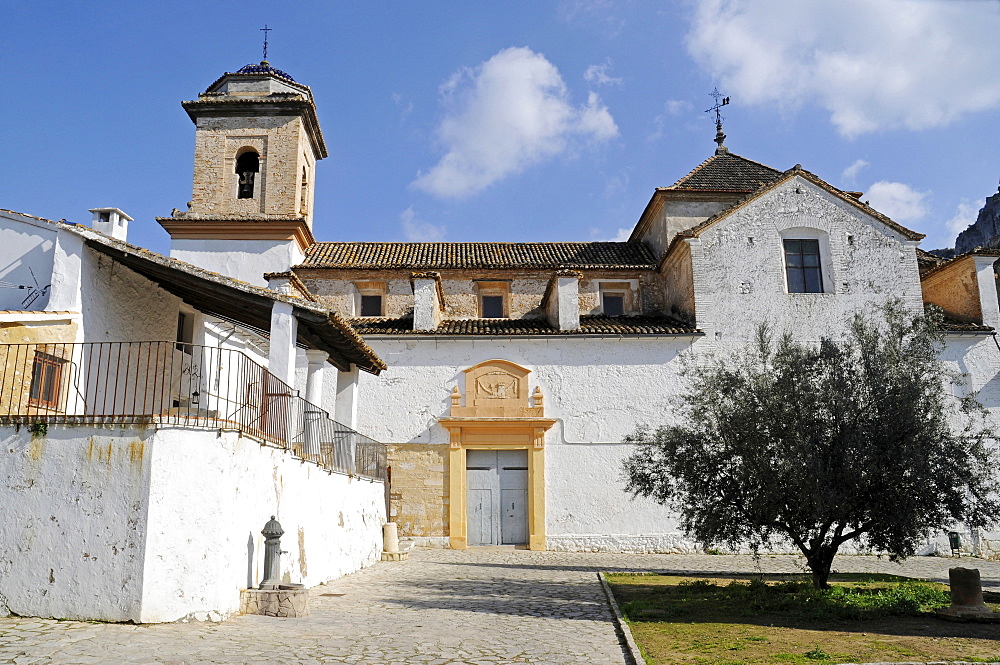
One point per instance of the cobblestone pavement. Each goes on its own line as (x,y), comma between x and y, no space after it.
(441,607)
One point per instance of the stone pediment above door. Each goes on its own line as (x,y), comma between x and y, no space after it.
(497,389)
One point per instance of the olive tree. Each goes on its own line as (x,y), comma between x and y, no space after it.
(867,437)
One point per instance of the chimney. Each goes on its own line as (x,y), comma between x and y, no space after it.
(111,222)
(426,300)
(562,306)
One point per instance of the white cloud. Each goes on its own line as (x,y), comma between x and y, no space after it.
(677,107)
(850,174)
(599,235)
(672,107)
(965,215)
(873,65)
(416,230)
(898,200)
(600,75)
(508,113)
(599,12)
(615,185)
(405,106)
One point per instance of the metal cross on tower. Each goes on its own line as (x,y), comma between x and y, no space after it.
(265,30)
(720,101)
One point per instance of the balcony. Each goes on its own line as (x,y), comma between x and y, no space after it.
(170,383)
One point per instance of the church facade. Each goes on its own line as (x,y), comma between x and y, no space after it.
(515,370)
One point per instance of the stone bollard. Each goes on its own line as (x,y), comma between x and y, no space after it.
(390,544)
(272,533)
(967,597)
(390,538)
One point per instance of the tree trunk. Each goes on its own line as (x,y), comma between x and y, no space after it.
(820,560)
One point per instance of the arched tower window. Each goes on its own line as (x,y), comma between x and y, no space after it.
(247,165)
(304,195)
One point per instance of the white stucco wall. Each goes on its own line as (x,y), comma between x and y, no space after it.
(676,216)
(598,389)
(118,304)
(72,541)
(28,247)
(197,560)
(246,260)
(739,274)
(150,525)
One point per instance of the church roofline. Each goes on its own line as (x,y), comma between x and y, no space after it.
(718,178)
(819,182)
(797,170)
(478,255)
(274,73)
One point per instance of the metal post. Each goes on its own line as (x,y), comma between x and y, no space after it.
(272,533)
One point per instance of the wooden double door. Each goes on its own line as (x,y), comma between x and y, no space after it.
(497,497)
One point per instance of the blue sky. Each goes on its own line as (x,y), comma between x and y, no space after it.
(510,121)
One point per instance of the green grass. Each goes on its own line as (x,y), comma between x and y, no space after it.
(783,619)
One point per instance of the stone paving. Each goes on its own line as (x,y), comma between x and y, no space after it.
(441,607)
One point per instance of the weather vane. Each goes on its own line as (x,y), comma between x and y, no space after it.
(265,30)
(720,101)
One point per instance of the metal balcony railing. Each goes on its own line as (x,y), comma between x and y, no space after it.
(175,383)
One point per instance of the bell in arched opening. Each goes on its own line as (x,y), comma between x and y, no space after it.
(247,165)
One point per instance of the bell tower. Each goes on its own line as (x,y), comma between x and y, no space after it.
(257,141)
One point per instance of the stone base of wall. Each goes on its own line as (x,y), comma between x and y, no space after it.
(652,544)
(431,541)
(290,603)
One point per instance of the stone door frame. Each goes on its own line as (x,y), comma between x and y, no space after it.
(496,434)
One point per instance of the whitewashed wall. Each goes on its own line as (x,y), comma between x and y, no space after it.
(27,248)
(169,520)
(121,305)
(72,541)
(246,260)
(739,275)
(599,390)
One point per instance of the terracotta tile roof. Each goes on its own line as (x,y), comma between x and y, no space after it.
(481,255)
(927,261)
(727,172)
(954,325)
(927,268)
(589,325)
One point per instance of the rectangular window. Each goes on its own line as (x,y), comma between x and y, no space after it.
(46,380)
(492,296)
(371,305)
(185,332)
(802,266)
(613,304)
(492,307)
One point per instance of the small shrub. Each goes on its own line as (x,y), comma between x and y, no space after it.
(817,654)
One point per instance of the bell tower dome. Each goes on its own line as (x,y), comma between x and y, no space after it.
(257,141)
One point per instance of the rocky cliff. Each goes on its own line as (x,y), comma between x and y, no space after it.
(985,232)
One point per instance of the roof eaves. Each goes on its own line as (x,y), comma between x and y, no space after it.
(364,357)
(861,205)
(24,214)
(947,264)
